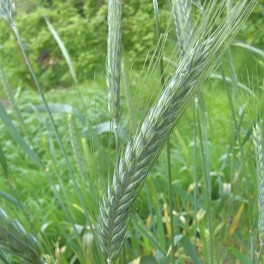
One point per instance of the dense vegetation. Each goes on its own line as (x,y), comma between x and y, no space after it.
(54,187)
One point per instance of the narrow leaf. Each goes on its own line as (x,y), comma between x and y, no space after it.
(250,48)
(9,198)
(188,247)
(13,132)
(62,48)
(235,222)
(241,257)
(59,108)
(3,162)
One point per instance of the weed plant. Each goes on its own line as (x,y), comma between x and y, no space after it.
(89,184)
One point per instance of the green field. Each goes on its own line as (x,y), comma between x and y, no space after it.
(131,136)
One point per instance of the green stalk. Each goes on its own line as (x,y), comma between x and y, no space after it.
(168,152)
(195,113)
(206,173)
(181,10)
(260,254)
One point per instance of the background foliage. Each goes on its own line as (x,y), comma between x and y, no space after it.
(82,25)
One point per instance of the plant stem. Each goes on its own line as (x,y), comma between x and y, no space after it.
(206,172)
(195,107)
(168,152)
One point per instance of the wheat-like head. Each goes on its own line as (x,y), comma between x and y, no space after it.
(259,150)
(114,57)
(6,9)
(143,150)
(181,11)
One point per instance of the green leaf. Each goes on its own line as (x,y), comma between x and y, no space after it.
(250,48)
(9,197)
(62,48)
(188,247)
(144,232)
(58,108)
(3,162)
(148,260)
(108,127)
(13,132)
(229,80)
(240,256)
(2,257)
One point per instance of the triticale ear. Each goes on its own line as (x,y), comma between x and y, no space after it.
(207,45)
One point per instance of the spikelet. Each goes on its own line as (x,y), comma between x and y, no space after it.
(6,9)
(181,11)
(143,150)
(259,150)
(114,58)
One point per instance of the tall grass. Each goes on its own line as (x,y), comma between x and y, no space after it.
(106,203)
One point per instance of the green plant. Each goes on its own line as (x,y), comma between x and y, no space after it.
(143,150)
(76,182)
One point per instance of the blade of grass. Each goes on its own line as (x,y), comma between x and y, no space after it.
(168,152)
(195,162)
(58,108)
(203,137)
(140,226)
(188,247)
(250,48)
(3,162)
(62,48)
(229,80)
(9,198)
(13,132)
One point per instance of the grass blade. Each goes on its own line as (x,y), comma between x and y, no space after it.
(188,247)
(13,132)
(250,48)
(259,150)
(62,48)
(3,162)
